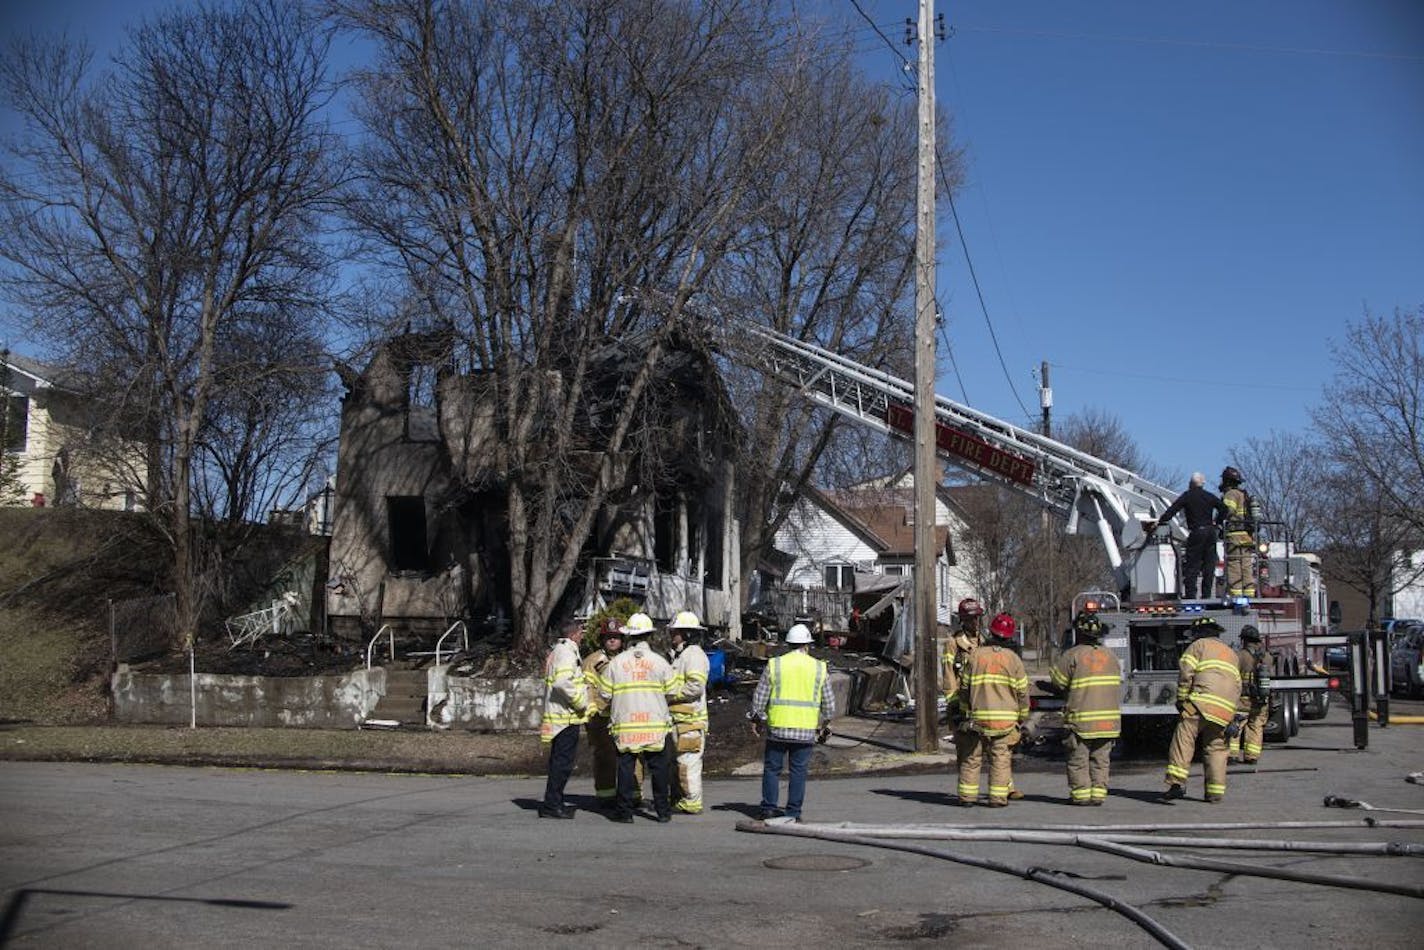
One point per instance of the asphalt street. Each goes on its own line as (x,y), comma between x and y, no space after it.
(154,857)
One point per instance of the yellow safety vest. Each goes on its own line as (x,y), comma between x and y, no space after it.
(797,680)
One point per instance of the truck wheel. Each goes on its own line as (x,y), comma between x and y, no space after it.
(1277,726)
(1293,713)
(1315,704)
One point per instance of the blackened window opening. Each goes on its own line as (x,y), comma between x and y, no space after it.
(406,517)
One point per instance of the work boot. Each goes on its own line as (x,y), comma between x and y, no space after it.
(664,818)
(1015,795)
(622,817)
(689,807)
(1173,792)
(564,812)
(996,803)
(1213,799)
(766,814)
(966,802)
(1249,761)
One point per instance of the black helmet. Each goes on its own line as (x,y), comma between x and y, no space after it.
(1250,634)
(1206,627)
(1231,475)
(1087,624)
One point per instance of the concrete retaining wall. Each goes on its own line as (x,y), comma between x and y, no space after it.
(318,702)
(485,704)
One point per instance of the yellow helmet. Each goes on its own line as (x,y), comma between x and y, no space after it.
(638,624)
(685,620)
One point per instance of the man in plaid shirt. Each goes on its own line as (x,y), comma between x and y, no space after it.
(794,700)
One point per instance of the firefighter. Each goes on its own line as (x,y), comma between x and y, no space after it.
(960,645)
(1090,678)
(1208,688)
(689,712)
(637,684)
(1254,707)
(992,703)
(1202,510)
(792,707)
(1239,525)
(565,706)
(605,753)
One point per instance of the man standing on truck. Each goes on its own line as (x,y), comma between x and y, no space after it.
(1090,678)
(1208,689)
(1240,531)
(1202,510)
(1255,705)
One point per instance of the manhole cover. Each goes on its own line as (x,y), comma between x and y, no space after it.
(815,862)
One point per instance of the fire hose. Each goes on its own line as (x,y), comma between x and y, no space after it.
(1338,801)
(1040,875)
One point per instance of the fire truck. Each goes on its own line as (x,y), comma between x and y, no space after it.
(1148,620)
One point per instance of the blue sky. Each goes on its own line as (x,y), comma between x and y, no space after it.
(1177,206)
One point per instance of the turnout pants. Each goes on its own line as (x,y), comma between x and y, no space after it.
(688,784)
(1253,732)
(1088,763)
(1240,565)
(605,764)
(972,749)
(1191,730)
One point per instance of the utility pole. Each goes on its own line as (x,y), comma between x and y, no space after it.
(1045,402)
(926,613)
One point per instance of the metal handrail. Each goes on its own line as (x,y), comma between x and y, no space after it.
(464,637)
(385,628)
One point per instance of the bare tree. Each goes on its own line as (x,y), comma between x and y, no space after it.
(151,210)
(1283,471)
(826,257)
(527,166)
(1362,541)
(1372,416)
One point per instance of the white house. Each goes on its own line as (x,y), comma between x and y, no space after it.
(47,433)
(844,551)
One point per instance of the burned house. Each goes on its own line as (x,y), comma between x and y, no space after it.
(421,506)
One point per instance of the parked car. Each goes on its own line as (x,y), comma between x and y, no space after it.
(1406,660)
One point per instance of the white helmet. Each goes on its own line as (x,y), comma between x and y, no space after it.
(798,634)
(638,625)
(686,620)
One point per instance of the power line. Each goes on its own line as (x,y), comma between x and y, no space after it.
(1200,44)
(974,278)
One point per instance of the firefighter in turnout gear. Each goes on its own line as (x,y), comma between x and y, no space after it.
(1239,529)
(1255,706)
(689,712)
(600,739)
(992,704)
(565,707)
(1208,689)
(637,684)
(1090,678)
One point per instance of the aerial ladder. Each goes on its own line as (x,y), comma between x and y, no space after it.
(1088,491)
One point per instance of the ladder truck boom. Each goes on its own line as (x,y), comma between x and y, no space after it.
(1075,484)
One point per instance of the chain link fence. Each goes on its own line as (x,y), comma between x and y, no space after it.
(142,628)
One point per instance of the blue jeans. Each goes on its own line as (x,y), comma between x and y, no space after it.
(777,752)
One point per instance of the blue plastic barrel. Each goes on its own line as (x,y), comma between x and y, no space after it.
(716,667)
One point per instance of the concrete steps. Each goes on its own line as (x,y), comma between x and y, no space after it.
(404,701)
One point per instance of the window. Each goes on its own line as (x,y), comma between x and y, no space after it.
(840,577)
(894,570)
(406,518)
(421,423)
(15,423)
